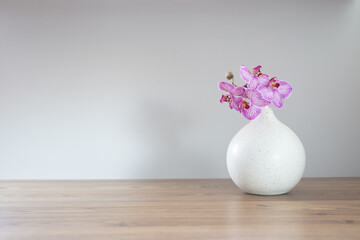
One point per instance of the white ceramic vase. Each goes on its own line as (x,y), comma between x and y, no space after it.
(266,157)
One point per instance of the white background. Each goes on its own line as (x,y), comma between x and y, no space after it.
(128,89)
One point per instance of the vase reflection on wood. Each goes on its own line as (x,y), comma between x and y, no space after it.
(266,157)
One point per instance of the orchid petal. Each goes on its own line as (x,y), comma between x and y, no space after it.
(267,92)
(238,91)
(223,98)
(226,86)
(246,74)
(252,112)
(277,99)
(263,79)
(237,100)
(284,89)
(257,70)
(236,103)
(256,97)
(253,83)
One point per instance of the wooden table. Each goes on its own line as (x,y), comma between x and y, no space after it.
(323,208)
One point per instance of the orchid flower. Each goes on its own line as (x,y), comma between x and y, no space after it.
(251,102)
(254,78)
(275,91)
(232,92)
(258,92)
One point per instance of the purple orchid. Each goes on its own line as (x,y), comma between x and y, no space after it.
(258,92)
(245,100)
(254,78)
(275,91)
(232,93)
(251,102)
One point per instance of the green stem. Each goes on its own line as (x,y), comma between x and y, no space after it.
(232,80)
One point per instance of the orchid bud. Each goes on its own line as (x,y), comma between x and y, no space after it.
(229,75)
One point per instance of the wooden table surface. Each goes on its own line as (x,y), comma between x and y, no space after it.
(323,208)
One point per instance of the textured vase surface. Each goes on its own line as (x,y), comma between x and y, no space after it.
(266,157)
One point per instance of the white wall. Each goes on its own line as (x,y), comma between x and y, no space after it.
(128,89)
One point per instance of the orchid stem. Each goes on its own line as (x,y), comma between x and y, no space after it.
(232,80)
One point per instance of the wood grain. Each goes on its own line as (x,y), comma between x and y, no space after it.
(324,208)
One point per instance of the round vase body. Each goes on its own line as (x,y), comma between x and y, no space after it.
(266,157)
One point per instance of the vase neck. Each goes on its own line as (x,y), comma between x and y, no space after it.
(266,114)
